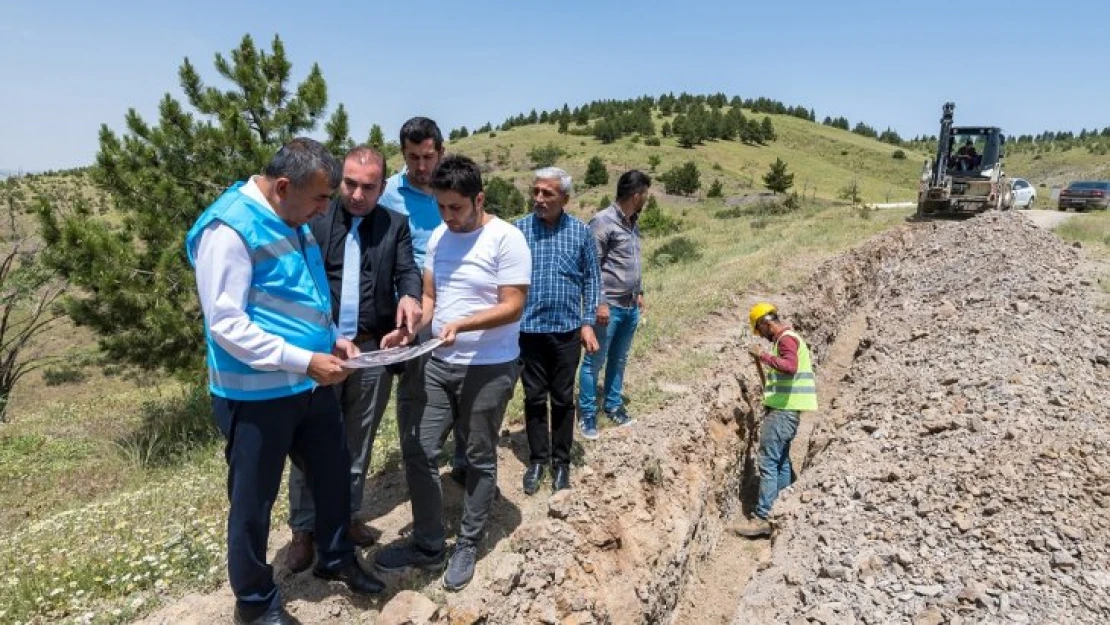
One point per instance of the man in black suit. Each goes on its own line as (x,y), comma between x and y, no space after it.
(375,287)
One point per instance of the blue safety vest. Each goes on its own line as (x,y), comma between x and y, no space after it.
(288,297)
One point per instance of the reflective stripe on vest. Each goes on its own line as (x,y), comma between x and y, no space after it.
(288,297)
(787,391)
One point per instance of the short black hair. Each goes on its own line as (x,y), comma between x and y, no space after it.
(418,130)
(460,174)
(302,158)
(632,182)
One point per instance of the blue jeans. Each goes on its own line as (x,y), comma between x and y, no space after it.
(775,435)
(614,340)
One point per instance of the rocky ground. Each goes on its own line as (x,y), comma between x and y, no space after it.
(956,472)
(962,475)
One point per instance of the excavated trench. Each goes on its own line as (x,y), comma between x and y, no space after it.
(639,539)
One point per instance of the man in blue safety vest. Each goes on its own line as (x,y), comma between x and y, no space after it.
(271,347)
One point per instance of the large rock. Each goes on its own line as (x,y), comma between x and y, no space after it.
(408,608)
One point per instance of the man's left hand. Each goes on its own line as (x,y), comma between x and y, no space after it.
(409,313)
(345,349)
(755,350)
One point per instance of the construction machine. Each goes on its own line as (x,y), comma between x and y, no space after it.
(966,176)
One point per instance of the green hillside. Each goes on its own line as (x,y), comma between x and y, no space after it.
(823,159)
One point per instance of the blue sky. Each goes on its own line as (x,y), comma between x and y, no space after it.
(67,67)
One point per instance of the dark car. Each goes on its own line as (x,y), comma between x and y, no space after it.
(1085,195)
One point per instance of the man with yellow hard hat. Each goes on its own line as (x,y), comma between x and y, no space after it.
(789,388)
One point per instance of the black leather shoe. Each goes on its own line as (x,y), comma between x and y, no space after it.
(274,616)
(560,478)
(359,581)
(533,477)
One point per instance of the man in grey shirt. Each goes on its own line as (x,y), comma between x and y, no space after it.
(618,252)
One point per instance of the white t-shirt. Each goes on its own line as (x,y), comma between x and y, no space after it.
(467,268)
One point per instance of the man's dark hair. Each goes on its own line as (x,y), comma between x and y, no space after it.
(459,174)
(364,153)
(302,158)
(632,182)
(418,130)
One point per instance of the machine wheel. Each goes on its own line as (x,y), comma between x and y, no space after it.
(1032,201)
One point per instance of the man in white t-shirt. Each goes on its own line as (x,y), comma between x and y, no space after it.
(477,270)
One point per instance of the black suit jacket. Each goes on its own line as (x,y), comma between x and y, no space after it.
(388,270)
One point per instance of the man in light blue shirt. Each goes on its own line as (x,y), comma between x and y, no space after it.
(409,192)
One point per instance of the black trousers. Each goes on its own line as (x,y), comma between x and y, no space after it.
(306,427)
(550,363)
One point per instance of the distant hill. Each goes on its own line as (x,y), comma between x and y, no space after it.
(824,159)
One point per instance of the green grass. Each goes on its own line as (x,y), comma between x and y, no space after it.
(1092,231)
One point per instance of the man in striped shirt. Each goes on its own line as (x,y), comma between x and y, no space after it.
(557,323)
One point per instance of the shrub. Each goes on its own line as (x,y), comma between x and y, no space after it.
(677,250)
(715,190)
(683,179)
(546,155)
(171,429)
(654,222)
(503,199)
(604,202)
(851,193)
(899,155)
(63,374)
(731,213)
(596,174)
(652,141)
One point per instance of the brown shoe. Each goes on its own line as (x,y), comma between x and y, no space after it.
(302,552)
(754,527)
(361,535)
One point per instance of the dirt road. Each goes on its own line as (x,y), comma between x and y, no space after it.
(1047,219)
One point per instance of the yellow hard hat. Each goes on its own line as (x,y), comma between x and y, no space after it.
(760,311)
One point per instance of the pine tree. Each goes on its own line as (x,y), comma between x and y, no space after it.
(134,286)
(682,180)
(503,199)
(777,180)
(596,174)
(767,130)
(716,189)
(377,138)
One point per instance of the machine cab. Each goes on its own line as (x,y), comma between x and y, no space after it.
(974,150)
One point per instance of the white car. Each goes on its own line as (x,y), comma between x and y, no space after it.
(1025,195)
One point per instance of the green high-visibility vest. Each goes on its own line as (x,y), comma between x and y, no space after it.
(785,391)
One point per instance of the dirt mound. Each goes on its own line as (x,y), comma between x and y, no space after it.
(966,479)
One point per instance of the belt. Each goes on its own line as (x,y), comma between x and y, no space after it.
(624,301)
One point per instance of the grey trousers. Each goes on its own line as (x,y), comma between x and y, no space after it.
(363,397)
(410,399)
(475,397)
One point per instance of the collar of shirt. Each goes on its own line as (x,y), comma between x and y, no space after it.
(618,214)
(250,189)
(408,186)
(559,225)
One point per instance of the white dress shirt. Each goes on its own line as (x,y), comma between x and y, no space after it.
(223,269)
